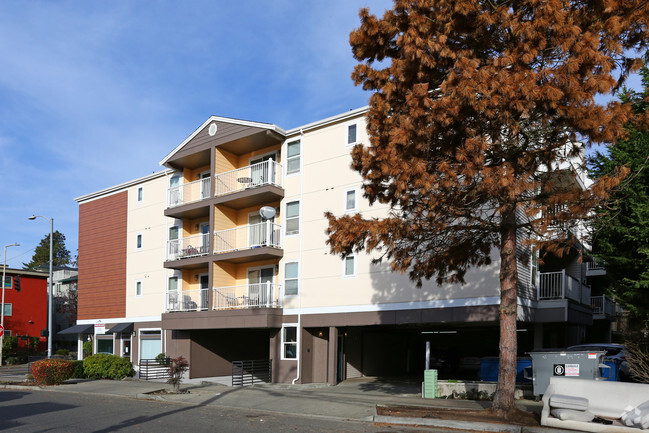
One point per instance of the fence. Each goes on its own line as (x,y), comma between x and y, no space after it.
(251,372)
(154,368)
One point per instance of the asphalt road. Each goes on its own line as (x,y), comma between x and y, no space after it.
(43,411)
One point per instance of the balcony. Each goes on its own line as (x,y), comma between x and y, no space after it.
(260,295)
(559,285)
(188,253)
(603,307)
(251,185)
(250,242)
(595,269)
(184,201)
(187,300)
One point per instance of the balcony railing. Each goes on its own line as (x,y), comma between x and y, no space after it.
(603,306)
(267,172)
(559,285)
(191,246)
(189,192)
(247,296)
(246,237)
(187,300)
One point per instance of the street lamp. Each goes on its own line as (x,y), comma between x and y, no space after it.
(4,274)
(49,288)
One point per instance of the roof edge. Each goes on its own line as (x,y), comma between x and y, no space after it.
(121,186)
(336,118)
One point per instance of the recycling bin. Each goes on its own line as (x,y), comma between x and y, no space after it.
(574,364)
(489,369)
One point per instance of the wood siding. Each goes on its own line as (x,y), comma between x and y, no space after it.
(102,257)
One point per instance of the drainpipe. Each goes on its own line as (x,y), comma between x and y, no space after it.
(301,286)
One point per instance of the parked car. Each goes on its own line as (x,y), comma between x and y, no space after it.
(613,351)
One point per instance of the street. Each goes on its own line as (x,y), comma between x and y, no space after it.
(38,411)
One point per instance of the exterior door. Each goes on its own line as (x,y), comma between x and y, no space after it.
(205,184)
(204,292)
(173,244)
(175,191)
(262,170)
(258,230)
(258,293)
(205,238)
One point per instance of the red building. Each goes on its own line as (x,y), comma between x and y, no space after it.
(25,308)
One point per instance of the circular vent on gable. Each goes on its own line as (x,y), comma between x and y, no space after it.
(212,129)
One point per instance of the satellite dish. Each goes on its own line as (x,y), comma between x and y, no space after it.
(267,212)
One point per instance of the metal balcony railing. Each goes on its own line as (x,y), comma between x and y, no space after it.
(594,265)
(603,306)
(559,285)
(189,192)
(267,172)
(191,246)
(247,296)
(187,300)
(247,237)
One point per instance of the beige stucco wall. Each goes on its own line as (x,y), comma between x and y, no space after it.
(145,265)
(321,186)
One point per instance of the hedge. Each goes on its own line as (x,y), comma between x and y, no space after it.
(103,366)
(52,371)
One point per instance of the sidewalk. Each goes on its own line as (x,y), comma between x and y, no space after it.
(354,399)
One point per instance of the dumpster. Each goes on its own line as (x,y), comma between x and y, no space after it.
(613,372)
(575,364)
(489,369)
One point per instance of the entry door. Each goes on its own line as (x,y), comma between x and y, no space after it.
(258,231)
(205,184)
(262,171)
(175,191)
(204,291)
(174,245)
(205,237)
(258,280)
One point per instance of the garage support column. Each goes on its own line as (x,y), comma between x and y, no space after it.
(332,356)
(538,335)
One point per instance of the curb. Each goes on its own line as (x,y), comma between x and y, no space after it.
(459,425)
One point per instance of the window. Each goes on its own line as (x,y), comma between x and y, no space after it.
(291,281)
(7,332)
(289,342)
(9,282)
(105,345)
(293,218)
(150,344)
(535,267)
(8,309)
(138,288)
(140,193)
(350,200)
(349,266)
(352,134)
(138,244)
(58,289)
(293,157)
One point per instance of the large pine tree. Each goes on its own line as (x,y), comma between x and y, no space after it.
(621,233)
(41,257)
(473,103)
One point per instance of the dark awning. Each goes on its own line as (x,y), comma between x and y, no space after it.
(78,329)
(124,328)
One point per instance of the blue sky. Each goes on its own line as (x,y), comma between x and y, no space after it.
(95,93)
(85,83)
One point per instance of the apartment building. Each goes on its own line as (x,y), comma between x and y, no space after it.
(222,257)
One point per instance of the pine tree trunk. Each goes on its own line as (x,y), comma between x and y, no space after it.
(503,403)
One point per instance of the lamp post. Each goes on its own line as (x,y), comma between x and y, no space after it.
(49,288)
(4,274)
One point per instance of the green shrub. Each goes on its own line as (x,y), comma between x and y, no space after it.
(87,348)
(63,352)
(52,371)
(103,366)
(78,372)
(161,358)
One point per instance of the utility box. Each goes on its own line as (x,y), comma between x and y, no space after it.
(429,387)
(574,364)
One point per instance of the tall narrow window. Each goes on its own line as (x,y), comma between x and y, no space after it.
(289,342)
(138,243)
(293,157)
(9,282)
(352,134)
(293,218)
(350,200)
(535,267)
(8,309)
(140,194)
(138,288)
(291,279)
(349,266)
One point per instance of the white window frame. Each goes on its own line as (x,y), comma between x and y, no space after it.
(11,309)
(299,214)
(347,126)
(163,341)
(297,277)
(139,237)
(11,284)
(355,259)
(139,194)
(296,342)
(8,332)
(534,268)
(355,190)
(298,157)
(141,288)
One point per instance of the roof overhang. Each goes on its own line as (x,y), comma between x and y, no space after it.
(78,329)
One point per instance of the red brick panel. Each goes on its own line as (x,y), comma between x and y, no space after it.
(102,257)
